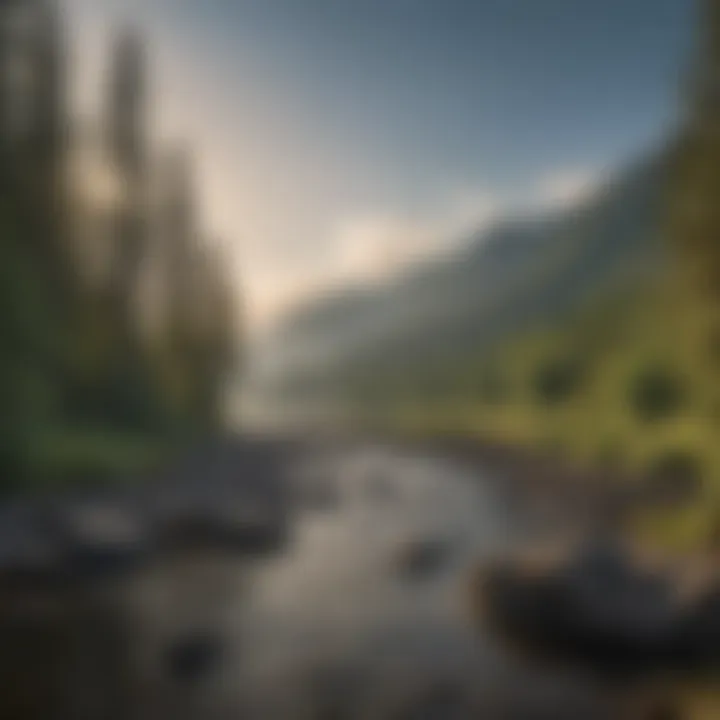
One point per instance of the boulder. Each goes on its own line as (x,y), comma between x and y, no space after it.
(192,659)
(598,610)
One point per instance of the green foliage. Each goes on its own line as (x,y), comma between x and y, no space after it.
(74,353)
(656,394)
(68,457)
(557,380)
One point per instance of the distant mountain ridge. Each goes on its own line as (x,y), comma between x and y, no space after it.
(521,272)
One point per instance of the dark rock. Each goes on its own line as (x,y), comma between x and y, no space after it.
(595,610)
(697,638)
(102,537)
(219,531)
(194,658)
(421,559)
(437,702)
(29,544)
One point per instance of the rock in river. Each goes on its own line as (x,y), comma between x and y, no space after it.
(422,558)
(596,609)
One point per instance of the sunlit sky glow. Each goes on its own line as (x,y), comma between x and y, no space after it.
(337,140)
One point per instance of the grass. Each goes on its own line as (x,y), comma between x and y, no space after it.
(85,457)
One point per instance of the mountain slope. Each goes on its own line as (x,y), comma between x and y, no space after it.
(520,273)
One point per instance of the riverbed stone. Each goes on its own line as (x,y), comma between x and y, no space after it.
(599,610)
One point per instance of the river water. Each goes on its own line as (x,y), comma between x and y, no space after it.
(364,614)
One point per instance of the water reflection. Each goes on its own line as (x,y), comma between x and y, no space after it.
(339,596)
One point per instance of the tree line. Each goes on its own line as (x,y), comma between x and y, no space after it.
(117,315)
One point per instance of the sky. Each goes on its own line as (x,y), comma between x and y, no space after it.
(336,141)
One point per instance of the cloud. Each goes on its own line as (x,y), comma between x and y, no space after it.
(362,249)
(376,246)
(373,246)
(566,187)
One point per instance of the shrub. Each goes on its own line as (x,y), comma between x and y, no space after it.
(556,381)
(656,394)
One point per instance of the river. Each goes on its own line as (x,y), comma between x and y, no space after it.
(363,614)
